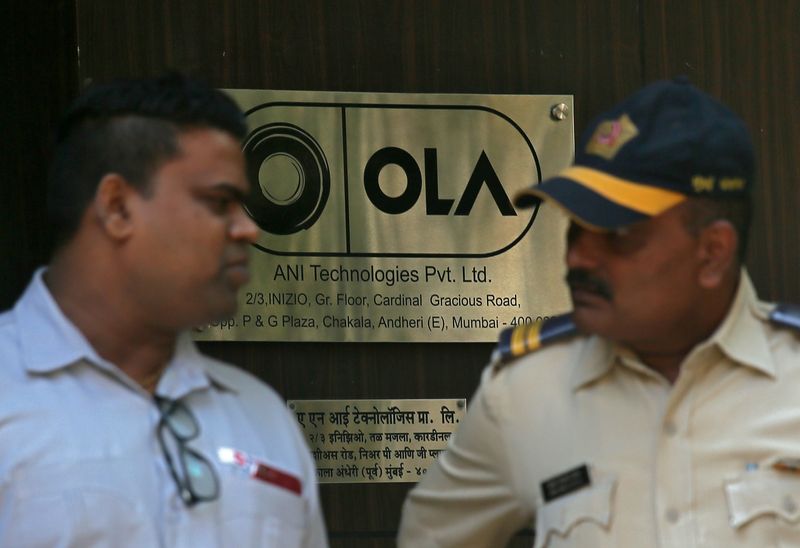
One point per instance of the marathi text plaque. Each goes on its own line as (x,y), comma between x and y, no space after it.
(357,441)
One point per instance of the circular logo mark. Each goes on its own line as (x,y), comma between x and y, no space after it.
(292,176)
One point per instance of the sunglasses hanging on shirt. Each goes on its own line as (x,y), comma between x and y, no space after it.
(195,475)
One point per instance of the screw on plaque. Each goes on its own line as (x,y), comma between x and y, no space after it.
(559,112)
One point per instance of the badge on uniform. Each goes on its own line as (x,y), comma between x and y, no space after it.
(566,483)
(256,469)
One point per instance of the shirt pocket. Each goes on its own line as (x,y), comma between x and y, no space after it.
(256,513)
(592,505)
(764,493)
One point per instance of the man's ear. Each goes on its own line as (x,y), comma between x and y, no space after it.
(112,206)
(719,246)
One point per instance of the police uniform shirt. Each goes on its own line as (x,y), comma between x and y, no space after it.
(80,464)
(712,461)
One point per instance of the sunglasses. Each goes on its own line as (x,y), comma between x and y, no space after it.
(195,476)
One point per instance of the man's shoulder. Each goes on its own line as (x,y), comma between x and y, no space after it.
(784,337)
(9,341)
(774,338)
(515,389)
(785,316)
(544,369)
(242,382)
(534,342)
(235,377)
(7,323)
(781,320)
(260,402)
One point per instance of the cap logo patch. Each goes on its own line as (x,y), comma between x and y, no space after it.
(610,135)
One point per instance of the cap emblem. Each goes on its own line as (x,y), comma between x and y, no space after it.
(610,135)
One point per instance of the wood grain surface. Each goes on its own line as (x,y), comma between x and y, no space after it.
(740,51)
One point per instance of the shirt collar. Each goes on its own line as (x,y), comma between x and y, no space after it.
(50,341)
(190,370)
(596,358)
(740,336)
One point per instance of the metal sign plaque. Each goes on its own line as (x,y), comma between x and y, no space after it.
(389,217)
(357,441)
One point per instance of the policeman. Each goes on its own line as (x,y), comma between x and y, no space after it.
(663,410)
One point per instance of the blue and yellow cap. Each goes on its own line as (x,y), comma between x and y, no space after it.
(667,141)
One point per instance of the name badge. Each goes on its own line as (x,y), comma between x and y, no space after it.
(566,483)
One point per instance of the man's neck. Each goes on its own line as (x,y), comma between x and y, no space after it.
(668,354)
(113,325)
(668,365)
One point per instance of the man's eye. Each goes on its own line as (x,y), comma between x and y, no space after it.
(624,241)
(573,232)
(219,204)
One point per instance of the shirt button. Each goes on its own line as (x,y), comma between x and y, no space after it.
(672,515)
(789,504)
(670,429)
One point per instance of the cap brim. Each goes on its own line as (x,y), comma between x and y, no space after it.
(598,200)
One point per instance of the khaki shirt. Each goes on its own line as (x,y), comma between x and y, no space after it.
(706,462)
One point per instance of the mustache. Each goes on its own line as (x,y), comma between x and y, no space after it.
(582,280)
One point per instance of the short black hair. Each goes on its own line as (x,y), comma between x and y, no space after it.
(129,127)
(702,212)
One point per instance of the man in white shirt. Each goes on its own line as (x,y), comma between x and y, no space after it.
(114,429)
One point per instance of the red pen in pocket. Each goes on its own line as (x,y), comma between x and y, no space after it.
(259,470)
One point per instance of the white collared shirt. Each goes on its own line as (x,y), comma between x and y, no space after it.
(80,463)
(696,464)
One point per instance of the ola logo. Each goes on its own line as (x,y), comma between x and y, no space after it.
(387,180)
(434,205)
(293,178)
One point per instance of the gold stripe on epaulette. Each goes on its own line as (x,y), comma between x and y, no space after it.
(525,338)
(518,342)
(533,340)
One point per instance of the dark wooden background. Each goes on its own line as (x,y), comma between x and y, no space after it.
(741,51)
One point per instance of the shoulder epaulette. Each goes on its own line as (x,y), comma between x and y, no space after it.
(786,315)
(524,339)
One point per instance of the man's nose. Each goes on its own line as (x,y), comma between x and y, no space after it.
(243,228)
